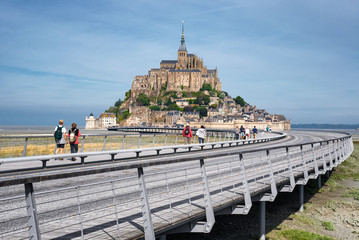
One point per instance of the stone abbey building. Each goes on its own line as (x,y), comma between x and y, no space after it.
(187,73)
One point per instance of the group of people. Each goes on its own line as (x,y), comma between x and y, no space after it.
(245,133)
(187,134)
(240,133)
(62,138)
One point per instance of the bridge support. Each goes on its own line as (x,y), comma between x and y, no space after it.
(319,181)
(301,198)
(262,220)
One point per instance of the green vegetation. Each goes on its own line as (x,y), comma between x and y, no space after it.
(143,100)
(123,115)
(127,95)
(353,192)
(202,99)
(328,226)
(206,87)
(118,102)
(294,234)
(156,108)
(239,100)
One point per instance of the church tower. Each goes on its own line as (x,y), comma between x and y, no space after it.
(182,52)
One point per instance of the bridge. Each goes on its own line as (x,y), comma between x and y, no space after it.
(149,192)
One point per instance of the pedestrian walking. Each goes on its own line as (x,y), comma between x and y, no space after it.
(242,132)
(74,134)
(254,131)
(187,134)
(236,132)
(201,133)
(247,131)
(60,138)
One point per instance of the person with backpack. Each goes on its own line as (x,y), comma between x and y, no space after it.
(242,132)
(187,134)
(60,138)
(74,134)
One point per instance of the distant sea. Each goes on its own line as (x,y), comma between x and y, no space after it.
(326,126)
(30,129)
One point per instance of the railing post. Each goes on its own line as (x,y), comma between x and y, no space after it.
(176,139)
(139,141)
(272,181)
(104,143)
(291,175)
(247,195)
(123,142)
(166,139)
(25,147)
(331,165)
(305,169)
(32,220)
(82,143)
(316,170)
(153,140)
(207,199)
(145,206)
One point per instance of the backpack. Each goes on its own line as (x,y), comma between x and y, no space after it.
(73,135)
(186,131)
(58,133)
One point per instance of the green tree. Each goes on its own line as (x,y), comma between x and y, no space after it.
(239,100)
(187,108)
(173,106)
(213,106)
(169,102)
(143,100)
(124,115)
(206,87)
(118,102)
(202,99)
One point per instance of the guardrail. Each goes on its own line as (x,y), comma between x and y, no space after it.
(34,145)
(227,141)
(154,197)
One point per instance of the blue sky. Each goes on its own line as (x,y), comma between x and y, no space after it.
(66,59)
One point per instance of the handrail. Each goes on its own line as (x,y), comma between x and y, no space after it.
(137,151)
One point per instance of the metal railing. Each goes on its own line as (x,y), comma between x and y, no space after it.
(153,197)
(155,147)
(34,145)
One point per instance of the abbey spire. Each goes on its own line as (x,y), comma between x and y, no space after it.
(182,46)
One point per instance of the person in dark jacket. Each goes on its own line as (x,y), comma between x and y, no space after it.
(74,134)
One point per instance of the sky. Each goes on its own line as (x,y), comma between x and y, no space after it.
(66,59)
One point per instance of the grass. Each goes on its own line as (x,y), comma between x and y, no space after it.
(328,226)
(353,192)
(293,234)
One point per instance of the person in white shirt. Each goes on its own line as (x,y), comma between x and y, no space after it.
(60,142)
(201,133)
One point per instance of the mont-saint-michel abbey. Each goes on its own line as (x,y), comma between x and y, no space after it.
(187,73)
(184,91)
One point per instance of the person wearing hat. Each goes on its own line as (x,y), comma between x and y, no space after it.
(187,134)
(60,137)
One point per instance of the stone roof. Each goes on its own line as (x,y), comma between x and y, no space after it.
(168,61)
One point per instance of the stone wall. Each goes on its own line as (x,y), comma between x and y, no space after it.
(275,126)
